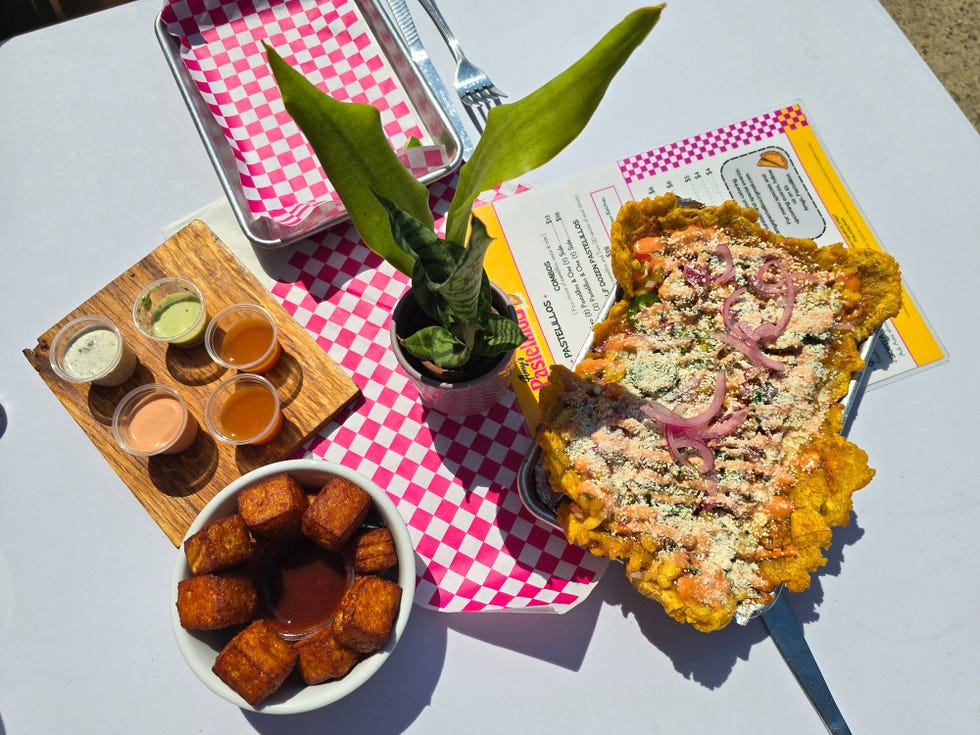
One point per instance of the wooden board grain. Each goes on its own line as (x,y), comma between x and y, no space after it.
(173,489)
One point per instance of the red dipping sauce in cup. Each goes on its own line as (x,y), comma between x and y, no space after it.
(301,585)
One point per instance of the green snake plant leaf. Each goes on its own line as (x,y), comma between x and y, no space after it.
(438,345)
(434,260)
(445,268)
(501,334)
(390,208)
(437,257)
(464,289)
(521,136)
(350,144)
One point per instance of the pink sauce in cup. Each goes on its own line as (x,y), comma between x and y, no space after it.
(155,423)
(154,420)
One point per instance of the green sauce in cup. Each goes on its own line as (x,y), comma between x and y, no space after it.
(179,319)
(172,310)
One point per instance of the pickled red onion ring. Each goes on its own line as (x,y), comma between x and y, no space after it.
(770,332)
(693,432)
(659,412)
(760,285)
(764,332)
(726,426)
(747,339)
(731,323)
(725,253)
(696,275)
(751,351)
(699,275)
(676,442)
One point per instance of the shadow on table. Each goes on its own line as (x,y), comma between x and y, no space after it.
(561,640)
(390,701)
(709,658)
(403,687)
(805,603)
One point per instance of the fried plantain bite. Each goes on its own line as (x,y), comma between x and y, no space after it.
(219,545)
(373,550)
(322,657)
(255,662)
(367,613)
(213,601)
(336,513)
(273,509)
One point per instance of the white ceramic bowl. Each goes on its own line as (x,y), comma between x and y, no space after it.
(200,648)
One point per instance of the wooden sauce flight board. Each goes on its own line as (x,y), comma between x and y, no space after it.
(174,488)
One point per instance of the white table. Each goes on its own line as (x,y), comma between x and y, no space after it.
(98,154)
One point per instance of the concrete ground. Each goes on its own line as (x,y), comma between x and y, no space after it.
(947,36)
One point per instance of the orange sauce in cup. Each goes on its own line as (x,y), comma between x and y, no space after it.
(248,412)
(248,341)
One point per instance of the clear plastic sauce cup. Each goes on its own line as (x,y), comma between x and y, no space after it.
(244,409)
(90,349)
(243,337)
(172,310)
(153,419)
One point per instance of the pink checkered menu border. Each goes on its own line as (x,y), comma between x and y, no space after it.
(453,480)
(753,130)
(329,42)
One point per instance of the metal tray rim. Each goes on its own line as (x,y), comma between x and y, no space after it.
(212,138)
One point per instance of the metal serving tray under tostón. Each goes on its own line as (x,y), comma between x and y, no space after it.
(420,90)
(532,480)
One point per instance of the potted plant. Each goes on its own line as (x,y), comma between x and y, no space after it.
(455,336)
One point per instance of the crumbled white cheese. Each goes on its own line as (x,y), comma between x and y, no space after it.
(672,358)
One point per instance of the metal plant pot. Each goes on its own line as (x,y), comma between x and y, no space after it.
(475,387)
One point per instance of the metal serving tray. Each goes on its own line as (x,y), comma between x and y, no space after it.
(532,480)
(264,231)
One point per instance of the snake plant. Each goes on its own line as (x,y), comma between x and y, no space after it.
(390,209)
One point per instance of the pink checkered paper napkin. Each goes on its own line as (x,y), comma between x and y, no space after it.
(454,480)
(221,44)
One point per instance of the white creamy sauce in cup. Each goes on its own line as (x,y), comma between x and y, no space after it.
(91,353)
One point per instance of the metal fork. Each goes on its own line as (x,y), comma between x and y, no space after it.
(473,86)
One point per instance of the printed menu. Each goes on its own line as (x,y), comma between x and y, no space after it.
(552,248)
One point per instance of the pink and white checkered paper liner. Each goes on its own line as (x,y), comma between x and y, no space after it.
(453,480)
(331,44)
